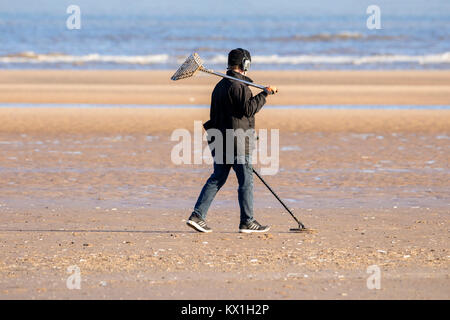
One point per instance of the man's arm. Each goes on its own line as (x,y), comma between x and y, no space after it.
(243,98)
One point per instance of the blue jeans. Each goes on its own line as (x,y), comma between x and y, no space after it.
(244,174)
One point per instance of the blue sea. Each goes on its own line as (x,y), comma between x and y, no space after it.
(290,35)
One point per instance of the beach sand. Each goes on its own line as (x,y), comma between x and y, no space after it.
(155,87)
(96,188)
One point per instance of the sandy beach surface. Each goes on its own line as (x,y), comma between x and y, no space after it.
(155,87)
(95,188)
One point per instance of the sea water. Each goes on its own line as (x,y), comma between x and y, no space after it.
(290,35)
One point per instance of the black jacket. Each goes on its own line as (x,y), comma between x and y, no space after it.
(233,105)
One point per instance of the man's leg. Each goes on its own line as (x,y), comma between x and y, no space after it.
(210,189)
(244,174)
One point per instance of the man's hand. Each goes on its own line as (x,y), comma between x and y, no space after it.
(270,90)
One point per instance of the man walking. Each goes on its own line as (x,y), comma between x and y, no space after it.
(233,106)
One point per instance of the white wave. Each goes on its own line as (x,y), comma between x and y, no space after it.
(356,60)
(55,58)
(31,57)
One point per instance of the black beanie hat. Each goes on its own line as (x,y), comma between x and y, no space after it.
(236,56)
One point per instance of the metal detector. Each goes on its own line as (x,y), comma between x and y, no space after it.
(301,226)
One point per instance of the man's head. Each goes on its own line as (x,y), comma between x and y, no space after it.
(239,59)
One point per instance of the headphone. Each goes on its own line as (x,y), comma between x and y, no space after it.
(245,64)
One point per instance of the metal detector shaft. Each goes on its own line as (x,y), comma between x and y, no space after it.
(278,198)
(232,78)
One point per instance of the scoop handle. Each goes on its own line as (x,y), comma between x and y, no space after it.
(232,78)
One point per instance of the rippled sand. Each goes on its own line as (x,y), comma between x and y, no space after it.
(96,188)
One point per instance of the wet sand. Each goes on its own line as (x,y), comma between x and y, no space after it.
(96,188)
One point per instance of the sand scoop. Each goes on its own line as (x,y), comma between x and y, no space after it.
(194,63)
